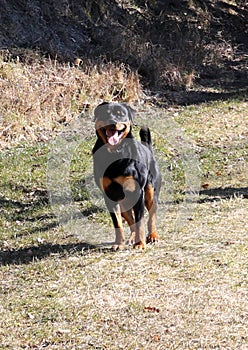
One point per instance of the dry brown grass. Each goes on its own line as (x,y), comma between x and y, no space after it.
(188,292)
(37,98)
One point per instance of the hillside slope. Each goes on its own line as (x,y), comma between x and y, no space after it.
(148,36)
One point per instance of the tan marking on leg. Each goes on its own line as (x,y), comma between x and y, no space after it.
(119,234)
(151,207)
(137,238)
(140,236)
(128,216)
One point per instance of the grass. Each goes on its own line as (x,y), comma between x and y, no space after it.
(188,292)
(61,287)
(42,95)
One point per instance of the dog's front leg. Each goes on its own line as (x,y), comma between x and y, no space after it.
(150,202)
(119,234)
(140,236)
(115,213)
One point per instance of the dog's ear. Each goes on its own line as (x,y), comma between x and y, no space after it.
(131,112)
(98,110)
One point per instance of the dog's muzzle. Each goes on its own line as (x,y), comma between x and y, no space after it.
(114,135)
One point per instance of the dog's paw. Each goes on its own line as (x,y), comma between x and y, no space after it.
(140,245)
(152,238)
(116,247)
(131,239)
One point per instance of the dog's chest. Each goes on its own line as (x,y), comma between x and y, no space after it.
(120,174)
(122,179)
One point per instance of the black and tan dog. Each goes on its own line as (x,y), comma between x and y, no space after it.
(126,172)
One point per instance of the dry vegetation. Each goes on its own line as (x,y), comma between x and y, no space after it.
(82,53)
(39,97)
(190,291)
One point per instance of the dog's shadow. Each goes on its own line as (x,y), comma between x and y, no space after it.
(34,253)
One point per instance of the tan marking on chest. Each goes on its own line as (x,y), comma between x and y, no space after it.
(127,182)
(104,183)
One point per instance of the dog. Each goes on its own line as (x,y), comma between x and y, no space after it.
(126,172)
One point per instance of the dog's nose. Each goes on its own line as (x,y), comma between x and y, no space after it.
(112,122)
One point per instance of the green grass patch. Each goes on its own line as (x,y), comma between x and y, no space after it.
(188,292)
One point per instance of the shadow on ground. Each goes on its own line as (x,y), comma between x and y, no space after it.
(30,254)
(34,215)
(216,194)
(33,253)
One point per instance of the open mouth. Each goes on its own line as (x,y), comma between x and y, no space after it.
(113,135)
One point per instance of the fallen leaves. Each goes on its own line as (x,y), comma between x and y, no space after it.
(151,309)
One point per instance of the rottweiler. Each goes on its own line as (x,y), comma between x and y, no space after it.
(126,172)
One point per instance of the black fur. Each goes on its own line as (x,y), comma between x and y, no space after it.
(129,159)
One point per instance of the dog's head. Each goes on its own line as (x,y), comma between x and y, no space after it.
(113,122)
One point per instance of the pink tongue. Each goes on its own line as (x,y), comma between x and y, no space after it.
(113,137)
